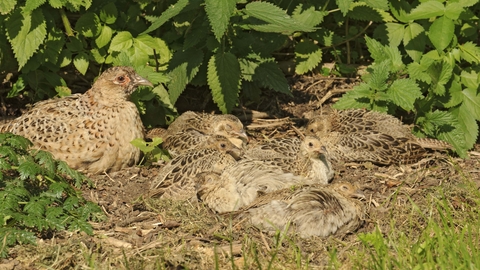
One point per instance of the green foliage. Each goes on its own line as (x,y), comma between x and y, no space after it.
(36,196)
(151,150)
(425,57)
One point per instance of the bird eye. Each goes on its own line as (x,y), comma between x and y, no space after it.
(310,144)
(121,79)
(312,131)
(223,145)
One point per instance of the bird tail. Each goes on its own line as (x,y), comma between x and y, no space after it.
(434,144)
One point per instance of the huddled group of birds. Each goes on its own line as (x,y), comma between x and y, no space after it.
(274,184)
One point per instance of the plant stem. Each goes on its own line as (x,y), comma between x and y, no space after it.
(66,23)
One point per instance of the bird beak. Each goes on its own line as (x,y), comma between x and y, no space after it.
(142,81)
(243,135)
(359,195)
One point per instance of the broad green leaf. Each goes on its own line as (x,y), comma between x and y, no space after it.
(395,33)
(81,62)
(344,5)
(309,16)
(109,13)
(53,45)
(468,125)
(269,75)
(121,41)
(26,31)
(440,73)
(455,94)
(427,10)
(248,67)
(414,41)
(224,80)
(441,32)
(98,55)
(307,56)
(17,87)
(447,128)
(31,5)
(276,18)
(376,49)
(417,72)
(142,49)
(363,12)
(219,13)
(404,92)
(65,58)
(57,3)
(6,6)
(470,79)
(470,52)
(172,11)
(183,68)
(88,25)
(453,10)
(378,78)
(358,98)
(105,36)
(471,102)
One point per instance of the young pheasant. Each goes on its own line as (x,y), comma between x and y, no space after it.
(360,135)
(241,183)
(307,157)
(310,210)
(90,131)
(209,124)
(176,179)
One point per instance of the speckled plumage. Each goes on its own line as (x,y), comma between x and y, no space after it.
(310,210)
(209,124)
(176,179)
(360,135)
(307,157)
(91,131)
(241,183)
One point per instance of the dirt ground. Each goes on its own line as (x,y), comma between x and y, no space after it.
(157,234)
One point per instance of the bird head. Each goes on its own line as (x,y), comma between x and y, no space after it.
(317,125)
(312,146)
(348,190)
(120,80)
(229,126)
(222,144)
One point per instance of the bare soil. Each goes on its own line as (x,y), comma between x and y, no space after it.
(143,233)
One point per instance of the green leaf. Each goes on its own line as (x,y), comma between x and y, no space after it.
(358,98)
(344,6)
(455,94)
(269,75)
(276,18)
(471,102)
(105,36)
(6,6)
(307,56)
(309,16)
(219,13)
(121,42)
(172,11)
(396,31)
(57,3)
(31,5)
(414,41)
(26,31)
(470,79)
(404,92)
(469,128)
(183,68)
(224,80)
(88,25)
(81,62)
(470,52)
(427,10)
(447,128)
(441,32)
(109,13)
(440,73)
(379,75)
(453,10)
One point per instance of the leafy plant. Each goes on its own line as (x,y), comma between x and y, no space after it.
(151,150)
(36,196)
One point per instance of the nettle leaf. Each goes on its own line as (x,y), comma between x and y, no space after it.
(182,69)
(307,56)
(310,16)
(109,13)
(142,49)
(426,10)
(404,92)
(441,32)
(88,25)
(81,62)
(470,79)
(29,169)
(57,3)
(219,13)
(455,93)
(6,6)
(344,5)
(276,18)
(26,31)
(471,102)
(382,53)
(470,52)
(223,77)
(105,36)
(440,73)
(269,75)
(453,10)
(358,98)
(31,5)
(172,11)
(121,41)
(469,129)
(448,128)
(414,40)
(379,76)
(395,31)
